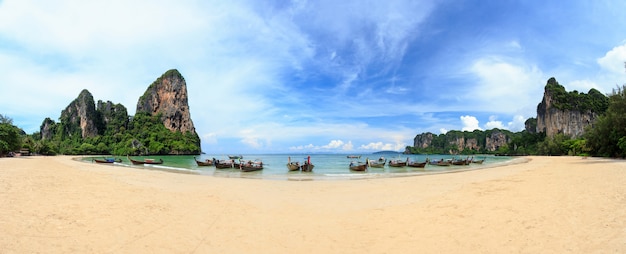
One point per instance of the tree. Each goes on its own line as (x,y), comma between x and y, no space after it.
(604,138)
(10,139)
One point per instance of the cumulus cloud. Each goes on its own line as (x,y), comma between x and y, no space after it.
(613,60)
(505,86)
(470,123)
(378,146)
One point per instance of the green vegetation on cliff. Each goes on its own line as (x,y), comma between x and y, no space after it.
(593,100)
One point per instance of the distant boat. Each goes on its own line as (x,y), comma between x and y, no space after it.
(477,161)
(417,164)
(380,163)
(398,163)
(308,166)
(222,164)
(292,166)
(107,160)
(460,162)
(235,157)
(354,156)
(207,162)
(145,161)
(440,163)
(358,166)
(251,166)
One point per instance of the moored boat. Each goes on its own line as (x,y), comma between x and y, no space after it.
(440,163)
(292,166)
(222,164)
(251,166)
(358,166)
(477,161)
(380,163)
(207,162)
(145,161)
(353,156)
(107,160)
(308,166)
(417,164)
(398,163)
(235,157)
(460,162)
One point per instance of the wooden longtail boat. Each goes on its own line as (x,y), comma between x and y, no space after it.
(358,166)
(440,163)
(380,163)
(145,161)
(308,166)
(460,162)
(222,164)
(107,160)
(207,162)
(477,161)
(251,166)
(398,163)
(235,157)
(417,164)
(292,166)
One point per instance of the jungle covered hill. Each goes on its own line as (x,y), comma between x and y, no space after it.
(161,125)
(567,123)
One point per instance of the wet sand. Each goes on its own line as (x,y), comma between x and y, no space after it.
(548,205)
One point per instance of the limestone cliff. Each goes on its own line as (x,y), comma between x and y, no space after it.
(568,113)
(455,142)
(112,116)
(168,96)
(79,118)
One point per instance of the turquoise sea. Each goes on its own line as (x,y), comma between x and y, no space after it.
(327,166)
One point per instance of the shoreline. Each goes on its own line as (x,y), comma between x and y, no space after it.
(374,173)
(550,204)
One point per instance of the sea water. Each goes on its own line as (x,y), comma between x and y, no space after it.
(327,166)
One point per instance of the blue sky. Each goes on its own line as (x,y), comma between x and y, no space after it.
(311,76)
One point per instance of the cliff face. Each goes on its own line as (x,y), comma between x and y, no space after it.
(423,140)
(455,142)
(47,129)
(495,141)
(168,96)
(560,112)
(80,116)
(114,116)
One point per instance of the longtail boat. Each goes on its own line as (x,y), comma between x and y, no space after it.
(107,160)
(222,164)
(145,161)
(398,163)
(308,166)
(380,163)
(251,166)
(358,166)
(207,162)
(417,164)
(292,166)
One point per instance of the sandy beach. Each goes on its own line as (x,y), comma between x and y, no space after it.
(547,205)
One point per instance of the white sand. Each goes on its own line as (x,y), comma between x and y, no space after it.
(549,205)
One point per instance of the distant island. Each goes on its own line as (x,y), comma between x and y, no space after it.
(387,152)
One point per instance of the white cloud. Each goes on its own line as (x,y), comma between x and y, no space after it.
(516,124)
(470,123)
(380,146)
(613,60)
(504,86)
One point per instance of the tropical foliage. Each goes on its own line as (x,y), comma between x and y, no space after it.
(608,136)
